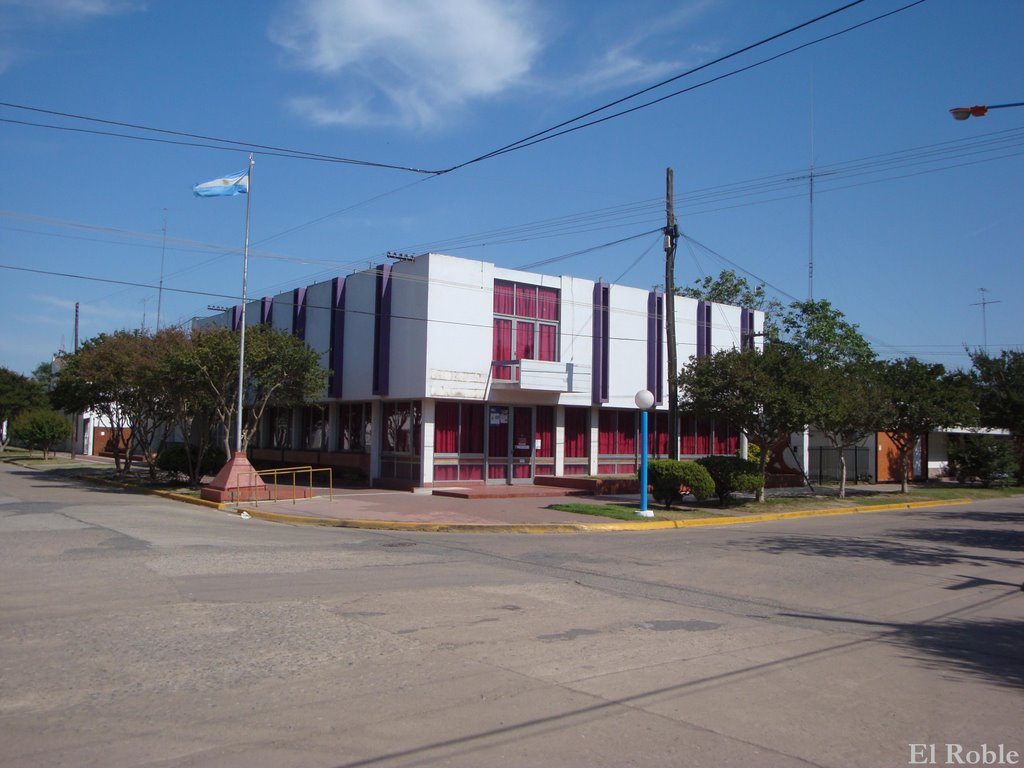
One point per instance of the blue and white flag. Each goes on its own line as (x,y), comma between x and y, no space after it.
(232,184)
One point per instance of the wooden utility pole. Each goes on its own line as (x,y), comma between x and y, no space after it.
(671,235)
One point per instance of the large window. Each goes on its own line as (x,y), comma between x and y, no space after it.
(402,440)
(525,325)
(355,427)
(616,442)
(315,428)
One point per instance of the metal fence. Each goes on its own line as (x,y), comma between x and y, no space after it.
(823,465)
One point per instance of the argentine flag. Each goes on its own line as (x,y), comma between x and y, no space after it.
(232,184)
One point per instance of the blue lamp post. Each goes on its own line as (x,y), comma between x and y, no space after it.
(644,401)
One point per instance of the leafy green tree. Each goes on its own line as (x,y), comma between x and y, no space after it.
(763,393)
(824,335)
(730,288)
(280,370)
(42,428)
(999,383)
(17,394)
(918,398)
(988,459)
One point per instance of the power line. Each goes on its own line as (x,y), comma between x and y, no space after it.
(564,128)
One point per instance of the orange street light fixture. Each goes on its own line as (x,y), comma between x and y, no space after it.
(962,113)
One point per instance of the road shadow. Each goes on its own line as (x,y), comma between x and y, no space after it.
(975,538)
(978,516)
(889,550)
(985,648)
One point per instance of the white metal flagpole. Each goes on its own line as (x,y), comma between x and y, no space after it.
(241,341)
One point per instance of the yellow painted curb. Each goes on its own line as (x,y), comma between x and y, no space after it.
(624,525)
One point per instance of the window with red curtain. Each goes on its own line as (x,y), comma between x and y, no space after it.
(446,428)
(546,430)
(524,341)
(471,437)
(526,300)
(688,435)
(703,437)
(502,348)
(547,303)
(721,438)
(504,298)
(626,432)
(548,342)
(577,434)
(607,425)
(497,434)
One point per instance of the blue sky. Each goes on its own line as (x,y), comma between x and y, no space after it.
(913,211)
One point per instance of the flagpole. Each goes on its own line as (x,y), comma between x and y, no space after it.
(241,342)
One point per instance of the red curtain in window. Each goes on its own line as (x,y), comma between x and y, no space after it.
(547,306)
(732,440)
(606,433)
(548,337)
(471,437)
(502,348)
(524,341)
(577,438)
(504,294)
(546,430)
(526,301)
(627,432)
(446,428)
(657,434)
(688,435)
(703,437)
(720,438)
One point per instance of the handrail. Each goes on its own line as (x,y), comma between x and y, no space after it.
(294,472)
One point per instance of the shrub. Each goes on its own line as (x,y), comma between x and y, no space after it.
(41,428)
(731,474)
(174,459)
(671,479)
(988,459)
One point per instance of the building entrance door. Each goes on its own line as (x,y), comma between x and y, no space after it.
(510,444)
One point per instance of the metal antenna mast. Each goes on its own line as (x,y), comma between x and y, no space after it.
(984,316)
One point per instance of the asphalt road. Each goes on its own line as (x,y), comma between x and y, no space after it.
(136,631)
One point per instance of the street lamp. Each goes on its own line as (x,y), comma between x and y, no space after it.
(644,400)
(962,113)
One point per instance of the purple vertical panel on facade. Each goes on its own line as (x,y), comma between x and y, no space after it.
(703,328)
(337,336)
(600,361)
(299,313)
(382,331)
(267,311)
(236,318)
(655,342)
(747,329)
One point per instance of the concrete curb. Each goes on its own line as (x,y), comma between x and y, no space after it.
(624,525)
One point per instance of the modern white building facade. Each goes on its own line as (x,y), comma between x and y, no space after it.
(451,371)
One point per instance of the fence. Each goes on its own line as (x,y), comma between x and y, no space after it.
(294,472)
(823,465)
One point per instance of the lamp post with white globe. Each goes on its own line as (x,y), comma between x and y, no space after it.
(644,401)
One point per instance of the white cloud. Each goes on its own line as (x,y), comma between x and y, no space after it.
(407,62)
(20,18)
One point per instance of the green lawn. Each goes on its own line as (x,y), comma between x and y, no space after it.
(621,511)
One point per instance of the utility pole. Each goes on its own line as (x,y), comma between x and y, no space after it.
(74,416)
(671,235)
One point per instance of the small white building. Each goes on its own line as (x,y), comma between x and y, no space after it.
(452,371)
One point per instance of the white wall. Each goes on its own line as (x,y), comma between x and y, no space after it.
(319,300)
(407,376)
(357,375)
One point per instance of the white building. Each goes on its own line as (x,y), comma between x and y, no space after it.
(451,371)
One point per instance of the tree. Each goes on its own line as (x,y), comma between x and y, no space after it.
(42,428)
(999,383)
(730,288)
(823,335)
(17,394)
(763,393)
(918,398)
(279,370)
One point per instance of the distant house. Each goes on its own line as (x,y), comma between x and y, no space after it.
(452,371)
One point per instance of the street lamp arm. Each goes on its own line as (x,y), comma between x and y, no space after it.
(979,110)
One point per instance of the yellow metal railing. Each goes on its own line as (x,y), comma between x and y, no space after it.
(294,472)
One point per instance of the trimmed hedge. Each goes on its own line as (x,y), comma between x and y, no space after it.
(732,475)
(670,480)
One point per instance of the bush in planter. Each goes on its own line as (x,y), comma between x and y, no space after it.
(670,479)
(988,459)
(173,459)
(731,475)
